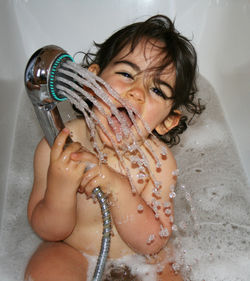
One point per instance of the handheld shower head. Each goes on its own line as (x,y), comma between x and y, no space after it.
(40,75)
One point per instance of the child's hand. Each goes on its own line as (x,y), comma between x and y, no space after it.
(63,172)
(98,175)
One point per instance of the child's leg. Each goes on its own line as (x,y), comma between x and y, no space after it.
(54,261)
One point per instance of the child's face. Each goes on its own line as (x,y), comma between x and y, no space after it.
(128,75)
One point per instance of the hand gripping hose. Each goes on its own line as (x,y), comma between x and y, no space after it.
(40,80)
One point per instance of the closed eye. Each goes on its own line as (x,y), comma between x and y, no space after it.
(125,74)
(159,92)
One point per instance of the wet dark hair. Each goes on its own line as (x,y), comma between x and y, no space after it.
(177,50)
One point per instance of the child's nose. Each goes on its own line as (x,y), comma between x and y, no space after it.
(136,93)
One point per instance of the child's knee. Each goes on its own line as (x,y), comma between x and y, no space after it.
(56,261)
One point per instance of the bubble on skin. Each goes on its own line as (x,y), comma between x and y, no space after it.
(176,172)
(156,205)
(133,190)
(172,195)
(158,165)
(163,232)
(151,239)
(157,215)
(157,184)
(143,170)
(141,176)
(174,227)
(140,208)
(167,212)
(163,151)
(166,204)
(156,192)
(171,218)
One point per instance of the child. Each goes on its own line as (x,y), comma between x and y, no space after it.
(153,67)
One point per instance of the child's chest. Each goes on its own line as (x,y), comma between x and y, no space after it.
(89,209)
(137,175)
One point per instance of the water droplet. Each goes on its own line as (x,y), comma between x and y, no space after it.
(175,172)
(140,208)
(172,195)
(151,238)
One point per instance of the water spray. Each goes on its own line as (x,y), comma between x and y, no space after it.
(42,78)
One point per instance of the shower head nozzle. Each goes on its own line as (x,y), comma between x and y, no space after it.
(40,74)
(39,79)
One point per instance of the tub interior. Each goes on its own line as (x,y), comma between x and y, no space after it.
(213,156)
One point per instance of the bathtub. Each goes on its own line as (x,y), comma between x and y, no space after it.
(213,156)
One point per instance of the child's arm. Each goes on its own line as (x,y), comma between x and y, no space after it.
(52,204)
(134,226)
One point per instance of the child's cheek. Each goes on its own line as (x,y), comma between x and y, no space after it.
(119,86)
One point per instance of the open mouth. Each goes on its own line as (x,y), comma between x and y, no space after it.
(116,127)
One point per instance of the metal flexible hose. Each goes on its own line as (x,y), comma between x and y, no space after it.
(100,266)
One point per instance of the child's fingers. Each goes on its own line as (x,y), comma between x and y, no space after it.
(74,147)
(59,143)
(89,175)
(90,180)
(84,156)
(93,183)
(98,176)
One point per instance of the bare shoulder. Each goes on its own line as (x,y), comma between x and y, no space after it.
(165,155)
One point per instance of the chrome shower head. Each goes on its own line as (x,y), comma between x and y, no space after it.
(40,76)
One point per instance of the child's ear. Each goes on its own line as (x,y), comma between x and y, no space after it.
(169,123)
(95,68)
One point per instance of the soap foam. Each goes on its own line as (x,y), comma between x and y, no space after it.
(211,171)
